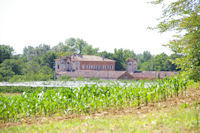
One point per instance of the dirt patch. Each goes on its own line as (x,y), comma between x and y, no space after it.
(192,95)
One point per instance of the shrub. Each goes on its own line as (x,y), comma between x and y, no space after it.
(65,78)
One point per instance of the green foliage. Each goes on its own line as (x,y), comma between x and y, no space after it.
(183,16)
(80,78)
(30,52)
(121,56)
(65,78)
(73,45)
(37,63)
(170,119)
(21,89)
(160,62)
(5,52)
(94,79)
(48,101)
(11,67)
(48,59)
(1,78)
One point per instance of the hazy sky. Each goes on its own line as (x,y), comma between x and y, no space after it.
(106,24)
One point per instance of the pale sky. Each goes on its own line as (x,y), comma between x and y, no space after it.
(106,24)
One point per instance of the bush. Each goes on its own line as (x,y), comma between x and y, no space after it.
(65,78)
(17,78)
(80,78)
(94,79)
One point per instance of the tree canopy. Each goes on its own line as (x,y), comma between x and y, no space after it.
(183,16)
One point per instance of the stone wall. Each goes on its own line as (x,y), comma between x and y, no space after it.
(97,74)
(152,74)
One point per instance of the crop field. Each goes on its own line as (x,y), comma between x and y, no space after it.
(37,102)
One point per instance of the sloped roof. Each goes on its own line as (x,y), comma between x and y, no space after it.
(93,73)
(132,59)
(86,58)
(90,58)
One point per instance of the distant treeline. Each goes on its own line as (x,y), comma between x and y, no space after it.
(37,63)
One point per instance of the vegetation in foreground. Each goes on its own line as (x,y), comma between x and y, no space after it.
(164,118)
(87,99)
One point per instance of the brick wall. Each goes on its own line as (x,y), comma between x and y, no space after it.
(97,65)
(152,74)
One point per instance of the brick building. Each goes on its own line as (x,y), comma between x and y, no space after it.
(131,65)
(89,66)
(83,62)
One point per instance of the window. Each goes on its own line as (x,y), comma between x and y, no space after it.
(111,67)
(107,67)
(61,62)
(83,67)
(103,67)
(58,66)
(87,67)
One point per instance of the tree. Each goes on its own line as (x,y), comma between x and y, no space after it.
(30,52)
(48,59)
(144,61)
(106,54)
(161,62)
(121,56)
(89,50)
(11,67)
(71,45)
(183,16)
(5,52)
(59,48)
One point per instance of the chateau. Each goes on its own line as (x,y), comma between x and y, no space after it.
(84,62)
(89,66)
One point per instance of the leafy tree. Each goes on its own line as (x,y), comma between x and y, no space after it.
(106,54)
(30,52)
(11,67)
(183,16)
(161,62)
(60,48)
(121,56)
(89,50)
(48,59)
(42,49)
(74,45)
(70,45)
(5,52)
(80,45)
(144,62)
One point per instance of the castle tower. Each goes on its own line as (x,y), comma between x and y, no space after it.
(131,65)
